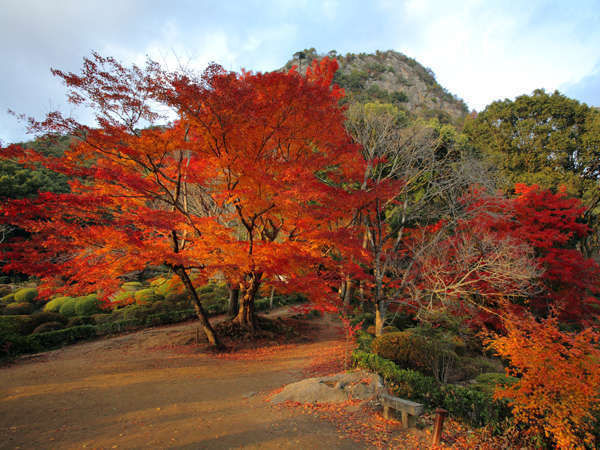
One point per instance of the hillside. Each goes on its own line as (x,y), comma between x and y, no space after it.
(390,77)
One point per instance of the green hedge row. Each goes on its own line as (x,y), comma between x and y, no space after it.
(12,345)
(472,406)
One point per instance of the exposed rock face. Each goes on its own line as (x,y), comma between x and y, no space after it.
(358,385)
(391,77)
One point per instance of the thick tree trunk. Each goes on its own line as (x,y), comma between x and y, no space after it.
(248,289)
(206,326)
(233,302)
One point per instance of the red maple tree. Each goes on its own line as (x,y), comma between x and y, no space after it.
(239,185)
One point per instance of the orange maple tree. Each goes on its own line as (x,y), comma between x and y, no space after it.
(238,185)
(557,393)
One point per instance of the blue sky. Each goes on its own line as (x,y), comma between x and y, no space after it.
(479,50)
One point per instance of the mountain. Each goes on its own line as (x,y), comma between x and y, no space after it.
(390,77)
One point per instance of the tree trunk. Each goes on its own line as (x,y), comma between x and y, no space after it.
(248,290)
(347,292)
(379,317)
(233,302)
(206,326)
(271,298)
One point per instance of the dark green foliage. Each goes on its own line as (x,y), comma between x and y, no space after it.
(544,139)
(87,305)
(4,291)
(132,286)
(8,298)
(67,308)
(472,406)
(41,317)
(144,296)
(363,341)
(367,319)
(18,308)
(59,338)
(486,382)
(16,324)
(55,304)
(48,326)
(26,295)
(77,321)
(407,349)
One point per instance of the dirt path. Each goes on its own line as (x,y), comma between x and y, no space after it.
(133,392)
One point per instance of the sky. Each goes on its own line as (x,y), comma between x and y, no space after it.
(480,50)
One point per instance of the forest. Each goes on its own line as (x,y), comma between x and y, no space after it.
(459,251)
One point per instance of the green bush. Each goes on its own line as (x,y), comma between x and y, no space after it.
(87,305)
(41,317)
(407,349)
(487,382)
(80,320)
(55,304)
(421,348)
(48,326)
(390,329)
(59,338)
(99,319)
(67,308)
(144,296)
(9,298)
(18,308)
(26,295)
(4,291)
(472,406)
(16,324)
(132,286)
(366,319)
(123,297)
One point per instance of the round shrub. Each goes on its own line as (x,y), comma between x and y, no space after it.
(487,382)
(55,304)
(146,296)
(17,308)
(86,306)
(26,295)
(5,290)
(405,348)
(48,326)
(9,298)
(67,308)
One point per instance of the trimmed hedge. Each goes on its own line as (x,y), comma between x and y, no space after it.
(144,296)
(26,295)
(67,308)
(472,406)
(16,324)
(13,345)
(55,304)
(87,306)
(18,308)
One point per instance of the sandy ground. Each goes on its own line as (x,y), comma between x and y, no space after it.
(136,391)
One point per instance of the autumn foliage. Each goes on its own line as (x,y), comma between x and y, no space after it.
(559,374)
(244,184)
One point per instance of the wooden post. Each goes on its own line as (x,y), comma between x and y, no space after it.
(438,425)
